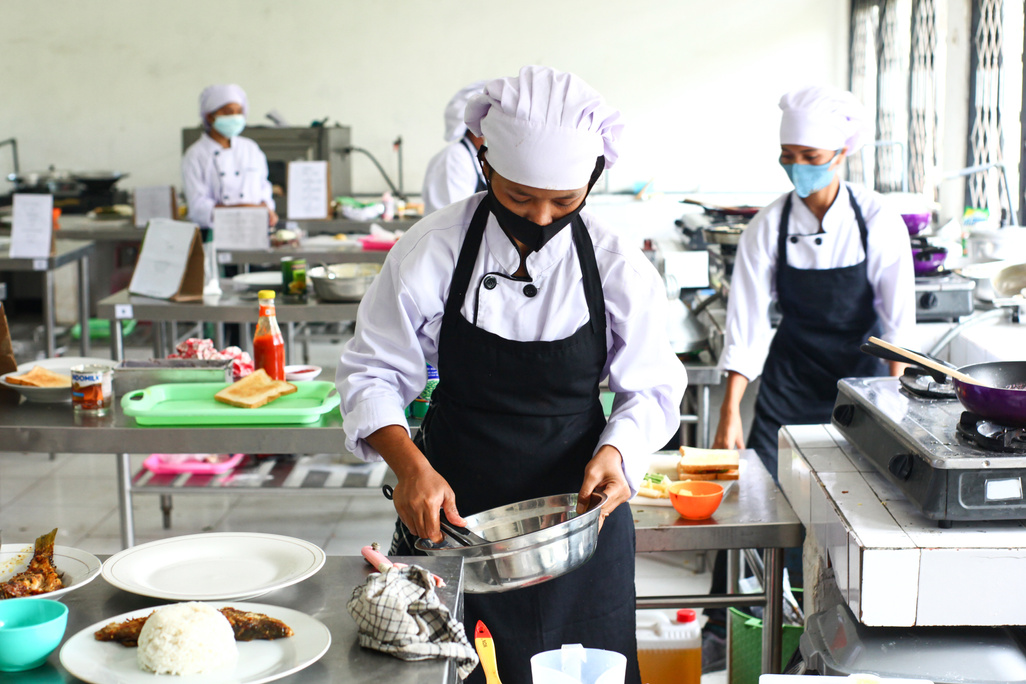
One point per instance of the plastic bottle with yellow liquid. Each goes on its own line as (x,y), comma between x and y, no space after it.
(669,651)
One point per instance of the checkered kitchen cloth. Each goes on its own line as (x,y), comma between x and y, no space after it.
(398,612)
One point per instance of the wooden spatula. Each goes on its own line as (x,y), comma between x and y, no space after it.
(924,361)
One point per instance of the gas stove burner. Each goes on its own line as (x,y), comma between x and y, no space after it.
(920,383)
(987,435)
(932,275)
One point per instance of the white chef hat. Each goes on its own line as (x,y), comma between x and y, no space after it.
(823,117)
(544,128)
(216,96)
(454,124)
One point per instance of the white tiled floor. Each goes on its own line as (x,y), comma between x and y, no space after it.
(77,494)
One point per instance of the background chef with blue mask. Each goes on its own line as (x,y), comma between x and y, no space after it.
(524,303)
(223,169)
(839,265)
(454,174)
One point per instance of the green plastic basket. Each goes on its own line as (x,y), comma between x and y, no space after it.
(746,645)
(99,328)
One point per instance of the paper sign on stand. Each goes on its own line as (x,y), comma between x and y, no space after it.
(32,226)
(170,264)
(241,228)
(308,193)
(153,202)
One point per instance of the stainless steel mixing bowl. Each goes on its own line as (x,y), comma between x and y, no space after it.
(529,542)
(342,282)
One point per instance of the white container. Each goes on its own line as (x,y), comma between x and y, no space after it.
(669,650)
(574,664)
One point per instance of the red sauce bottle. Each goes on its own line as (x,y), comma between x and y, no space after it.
(268,344)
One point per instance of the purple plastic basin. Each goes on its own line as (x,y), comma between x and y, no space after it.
(916,223)
(928,259)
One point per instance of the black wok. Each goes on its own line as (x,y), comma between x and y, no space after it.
(723,212)
(999,396)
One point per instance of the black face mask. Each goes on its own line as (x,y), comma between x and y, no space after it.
(524,230)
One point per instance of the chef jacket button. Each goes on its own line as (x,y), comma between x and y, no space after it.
(222,173)
(489,283)
(794,239)
(236,173)
(530,290)
(225,197)
(819,241)
(217,152)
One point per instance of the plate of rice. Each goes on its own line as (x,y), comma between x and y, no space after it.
(195,641)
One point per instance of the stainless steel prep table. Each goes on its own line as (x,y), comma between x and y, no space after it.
(322,596)
(81,227)
(754,514)
(67,251)
(230,307)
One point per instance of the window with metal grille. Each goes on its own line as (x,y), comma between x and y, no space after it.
(923,89)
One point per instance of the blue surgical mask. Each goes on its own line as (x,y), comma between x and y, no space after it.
(230,125)
(808,178)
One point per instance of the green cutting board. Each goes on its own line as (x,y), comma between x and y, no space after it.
(193,403)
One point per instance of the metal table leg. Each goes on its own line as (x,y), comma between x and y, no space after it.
(219,335)
(290,342)
(83,304)
(125,501)
(117,342)
(703,417)
(50,314)
(773,613)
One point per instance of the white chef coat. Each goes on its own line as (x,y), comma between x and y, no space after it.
(382,369)
(451,175)
(753,284)
(214,175)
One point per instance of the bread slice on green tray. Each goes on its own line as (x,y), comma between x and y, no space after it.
(254,390)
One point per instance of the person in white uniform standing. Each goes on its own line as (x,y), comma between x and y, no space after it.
(524,302)
(839,265)
(454,174)
(223,169)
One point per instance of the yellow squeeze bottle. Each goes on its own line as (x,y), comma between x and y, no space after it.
(669,651)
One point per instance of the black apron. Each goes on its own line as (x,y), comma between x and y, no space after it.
(511,421)
(827,314)
(469,147)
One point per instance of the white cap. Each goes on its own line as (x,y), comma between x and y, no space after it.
(216,96)
(544,128)
(455,127)
(823,117)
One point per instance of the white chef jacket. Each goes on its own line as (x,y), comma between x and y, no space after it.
(753,284)
(382,369)
(451,175)
(213,175)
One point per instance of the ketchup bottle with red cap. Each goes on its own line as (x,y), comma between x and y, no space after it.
(268,344)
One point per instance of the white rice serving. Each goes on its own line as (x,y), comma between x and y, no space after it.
(186,639)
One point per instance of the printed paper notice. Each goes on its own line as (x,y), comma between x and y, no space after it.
(151,202)
(307,189)
(163,258)
(32,226)
(241,228)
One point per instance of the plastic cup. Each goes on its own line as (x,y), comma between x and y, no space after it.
(574,664)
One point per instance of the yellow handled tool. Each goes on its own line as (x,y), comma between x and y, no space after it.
(486,652)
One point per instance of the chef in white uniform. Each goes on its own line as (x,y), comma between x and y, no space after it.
(523,303)
(223,169)
(454,174)
(837,262)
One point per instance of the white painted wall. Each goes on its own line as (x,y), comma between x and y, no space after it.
(109,84)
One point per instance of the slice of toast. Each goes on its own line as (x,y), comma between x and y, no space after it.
(707,461)
(254,390)
(40,377)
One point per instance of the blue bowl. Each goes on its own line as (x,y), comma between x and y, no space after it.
(30,629)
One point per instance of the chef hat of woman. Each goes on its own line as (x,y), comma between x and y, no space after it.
(823,117)
(544,128)
(216,96)
(454,124)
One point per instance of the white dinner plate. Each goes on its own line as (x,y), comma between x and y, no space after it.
(217,566)
(259,280)
(77,568)
(108,662)
(62,365)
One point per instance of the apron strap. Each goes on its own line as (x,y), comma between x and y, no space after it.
(863,231)
(460,282)
(590,276)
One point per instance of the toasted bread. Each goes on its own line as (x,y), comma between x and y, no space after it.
(719,462)
(254,390)
(724,475)
(40,377)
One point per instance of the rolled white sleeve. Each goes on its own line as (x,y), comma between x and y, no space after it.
(200,195)
(451,175)
(892,275)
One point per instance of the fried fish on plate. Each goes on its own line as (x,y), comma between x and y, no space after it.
(247,626)
(40,577)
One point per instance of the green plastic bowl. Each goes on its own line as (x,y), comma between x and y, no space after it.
(30,629)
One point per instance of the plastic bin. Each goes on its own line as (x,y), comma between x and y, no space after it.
(745,656)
